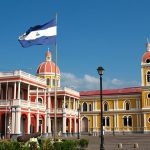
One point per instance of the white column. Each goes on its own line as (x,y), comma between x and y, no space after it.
(45,97)
(69,103)
(142,76)
(75,125)
(64,102)
(13,121)
(78,106)
(18,120)
(49,123)
(70,121)
(37,92)
(14,90)
(117,121)
(45,123)
(29,121)
(49,101)
(28,92)
(64,123)
(37,122)
(96,121)
(18,90)
(117,104)
(74,104)
(79,123)
(93,106)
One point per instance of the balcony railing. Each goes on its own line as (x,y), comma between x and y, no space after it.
(67,111)
(71,91)
(23,104)
(24,75)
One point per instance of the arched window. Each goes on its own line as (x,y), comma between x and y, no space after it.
(40,100)
(148,76)
(147,60)
(84,106)
(48,81)
(90,107)
(127,106)
(124,121)
(130,121)
(107,121)
(105,106)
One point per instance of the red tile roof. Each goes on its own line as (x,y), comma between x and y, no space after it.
(123,91)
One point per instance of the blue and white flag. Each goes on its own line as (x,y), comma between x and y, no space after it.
(40,35)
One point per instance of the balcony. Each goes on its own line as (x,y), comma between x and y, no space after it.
(22,104)
(65,89)
(19,73)
(66,110)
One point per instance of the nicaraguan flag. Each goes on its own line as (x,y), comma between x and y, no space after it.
(40,35)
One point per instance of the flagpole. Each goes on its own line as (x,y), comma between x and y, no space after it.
(55,101)
(6,110)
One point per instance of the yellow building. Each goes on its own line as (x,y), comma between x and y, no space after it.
(125,110)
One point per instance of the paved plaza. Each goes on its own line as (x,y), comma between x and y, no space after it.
(111,142)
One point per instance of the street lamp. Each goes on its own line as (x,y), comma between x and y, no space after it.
(78,123)
(100,72)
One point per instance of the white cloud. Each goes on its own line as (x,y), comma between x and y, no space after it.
(88,82)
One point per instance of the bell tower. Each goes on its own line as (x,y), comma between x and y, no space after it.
(145,78)
(145,67)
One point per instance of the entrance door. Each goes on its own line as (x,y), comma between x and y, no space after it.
(84,124)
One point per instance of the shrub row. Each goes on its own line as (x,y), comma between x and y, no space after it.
(26,137)
(7,145)
(46,144)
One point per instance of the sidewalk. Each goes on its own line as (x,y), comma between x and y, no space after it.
(111,142)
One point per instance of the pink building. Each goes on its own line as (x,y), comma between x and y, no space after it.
(27,102)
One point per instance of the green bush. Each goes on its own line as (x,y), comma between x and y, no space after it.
(8,145)
(47,144)
(57,146)
(5,145)
(68,145)
(83,143)
(33,146)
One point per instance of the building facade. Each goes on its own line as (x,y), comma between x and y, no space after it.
(126,110)
(27,104)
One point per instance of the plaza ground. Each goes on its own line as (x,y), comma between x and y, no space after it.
(111,142)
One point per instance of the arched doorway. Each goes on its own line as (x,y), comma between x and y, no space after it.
(84,124)
(67,125)
(33,124)
(72,128)
(41,124)
(23,124)
(4,124)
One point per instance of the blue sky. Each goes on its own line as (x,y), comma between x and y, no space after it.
(91,33)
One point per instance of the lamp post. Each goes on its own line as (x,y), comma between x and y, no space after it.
(78,123)
(100,72)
